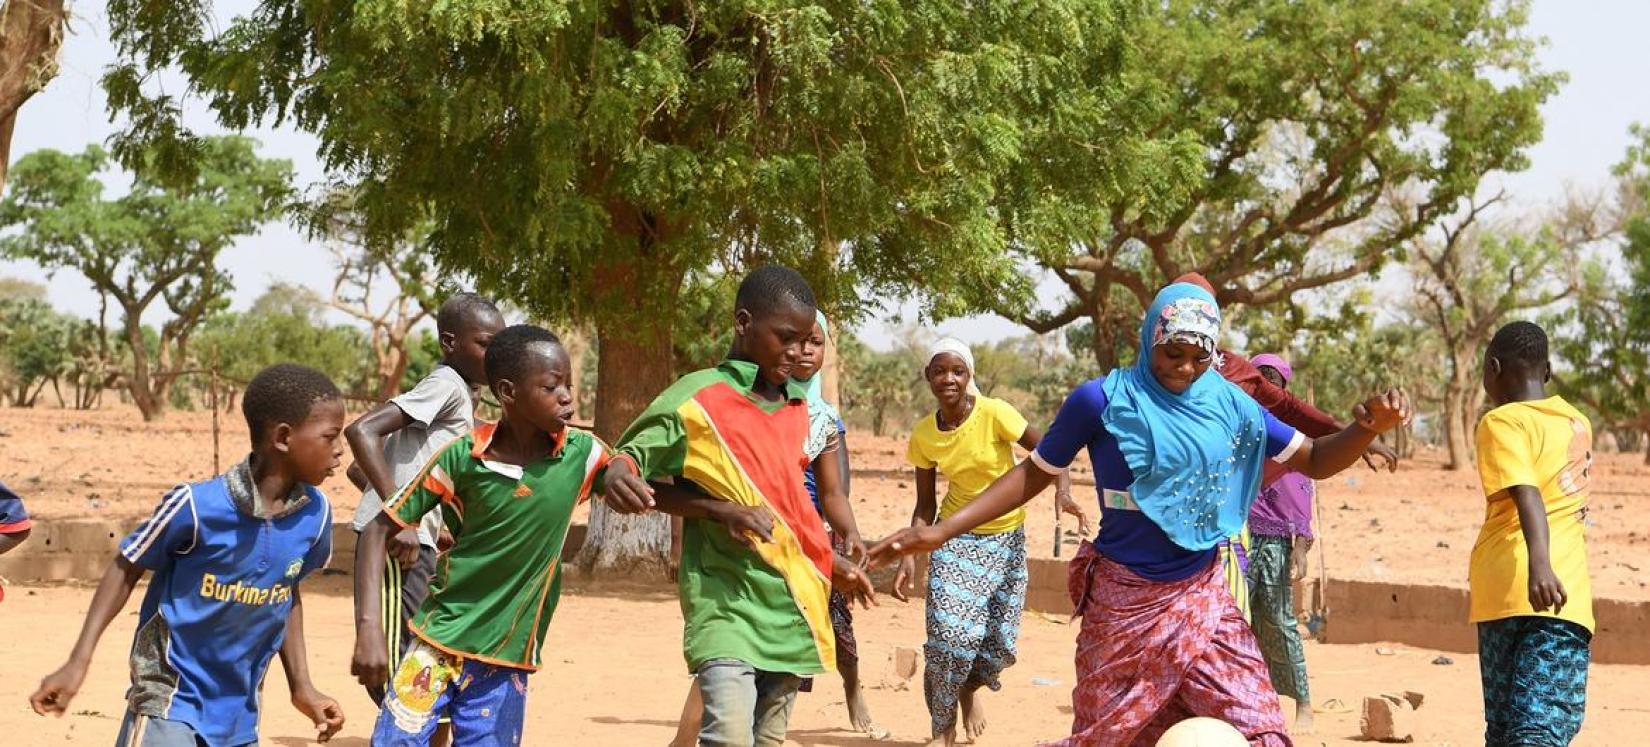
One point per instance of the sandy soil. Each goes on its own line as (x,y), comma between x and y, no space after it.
(613,676)
(1417,525)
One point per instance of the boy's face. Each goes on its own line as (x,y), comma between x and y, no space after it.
(1176,365)
(774,341)
(948,379)
(313,447)
(466,349)
(542,395)
(813,355)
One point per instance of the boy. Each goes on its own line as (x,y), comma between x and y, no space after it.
(754,597)
(1531,594)
(14,524)
(507,493)
(228,555)
(394,440)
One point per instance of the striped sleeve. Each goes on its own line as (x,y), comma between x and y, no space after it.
(657,442)
(172,530)
(595,465)
(432,487)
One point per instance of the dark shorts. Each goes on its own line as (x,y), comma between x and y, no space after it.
(400,596)
(1534,671)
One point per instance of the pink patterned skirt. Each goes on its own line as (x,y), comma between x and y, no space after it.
(1152,654)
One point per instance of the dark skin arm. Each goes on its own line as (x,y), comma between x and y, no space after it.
(1323,458)
(59,687)
(325,712)
(371,661)
(922,515)
(366,442)
(833,501)
(1546,591)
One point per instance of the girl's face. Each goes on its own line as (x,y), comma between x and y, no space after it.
(948,378)
(1272,375)
(813,355)
(1176,365)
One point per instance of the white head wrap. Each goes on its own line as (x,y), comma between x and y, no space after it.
(960,349)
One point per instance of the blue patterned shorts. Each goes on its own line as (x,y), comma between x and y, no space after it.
(1535,680)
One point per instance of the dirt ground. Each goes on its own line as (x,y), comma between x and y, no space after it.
(602,683)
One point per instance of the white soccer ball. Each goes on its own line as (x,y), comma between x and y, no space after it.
(1202,732)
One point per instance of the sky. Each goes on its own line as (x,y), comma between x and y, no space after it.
(1597,42)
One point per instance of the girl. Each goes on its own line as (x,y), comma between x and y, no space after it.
(977,579)
(1177,458)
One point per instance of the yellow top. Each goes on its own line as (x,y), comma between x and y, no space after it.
(971,456)
(1548,445)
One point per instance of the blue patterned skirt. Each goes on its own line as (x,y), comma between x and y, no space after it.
(976,591)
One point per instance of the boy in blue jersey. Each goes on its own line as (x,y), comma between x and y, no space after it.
(227,555)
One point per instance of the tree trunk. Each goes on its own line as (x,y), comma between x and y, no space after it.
(31,32)
(137,382)
(1104,342)
(1647,445)
(633,367)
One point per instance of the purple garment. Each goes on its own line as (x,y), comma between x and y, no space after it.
(1284,508)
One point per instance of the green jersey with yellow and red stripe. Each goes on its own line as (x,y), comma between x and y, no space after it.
(766,606)
(496,589)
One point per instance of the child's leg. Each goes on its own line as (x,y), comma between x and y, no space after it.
(420,690)
(490,706)
(728,687)
(958,609)
(1548,693)
(693,710)
(775,696)
(1273,614)
(999,650)
(1229,682)
(1497,647)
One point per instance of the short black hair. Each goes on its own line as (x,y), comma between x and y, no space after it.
(457,311)
(770,287)
(1520,342)
(507,354)
(284,393)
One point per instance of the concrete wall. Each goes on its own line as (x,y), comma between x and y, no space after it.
(1357,611)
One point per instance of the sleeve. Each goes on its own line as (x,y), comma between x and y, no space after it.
(1274,399)
(320,551)
(657,442)
(1011,425)
(1282,440)
(1076,425)
(427,401)
(595,466)
(171,530)
(915,454)
(1504,455)
(429,489)
(13,516)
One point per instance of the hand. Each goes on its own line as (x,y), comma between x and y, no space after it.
(1299,555)
(853,548)
(1067,506)
(403,546)
(371,662)
(1381,451)
(1546,591)
(444,541)
(848,578)
(626,492)
(747,524)
(57,689)
(325,712)
(906,542)
(1383,412)
(903,577)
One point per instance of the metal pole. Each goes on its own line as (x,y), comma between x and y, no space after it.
(216,468)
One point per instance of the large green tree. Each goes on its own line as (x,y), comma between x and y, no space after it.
(1273,145)
(581,158)
(157,242)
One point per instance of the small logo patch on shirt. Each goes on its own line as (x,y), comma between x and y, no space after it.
(522,491)
(294,568)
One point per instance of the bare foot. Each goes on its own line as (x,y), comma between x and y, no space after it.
(859,715)
(948,739)
(1303,718)
(973,714)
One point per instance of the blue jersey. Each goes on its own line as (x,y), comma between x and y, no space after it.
(216,609)
(1127,536)
(14,517)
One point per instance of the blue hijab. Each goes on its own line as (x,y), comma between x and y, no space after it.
(1196,457)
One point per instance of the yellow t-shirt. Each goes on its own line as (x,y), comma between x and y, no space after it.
(971,456)
(1548,445)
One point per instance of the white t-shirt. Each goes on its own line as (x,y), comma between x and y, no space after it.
(441,410)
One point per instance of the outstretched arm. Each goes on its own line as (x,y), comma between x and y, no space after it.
(59,687)
(1014,489)
(1325,457)
(833,501)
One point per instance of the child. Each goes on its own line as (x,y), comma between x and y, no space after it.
(394,440)
(1280,523)
(754,597)
(228,555)
(14,524)
(977,580)
(507,493)
(1531,595)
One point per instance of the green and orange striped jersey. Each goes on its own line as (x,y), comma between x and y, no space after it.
(767,606)
(496,589)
